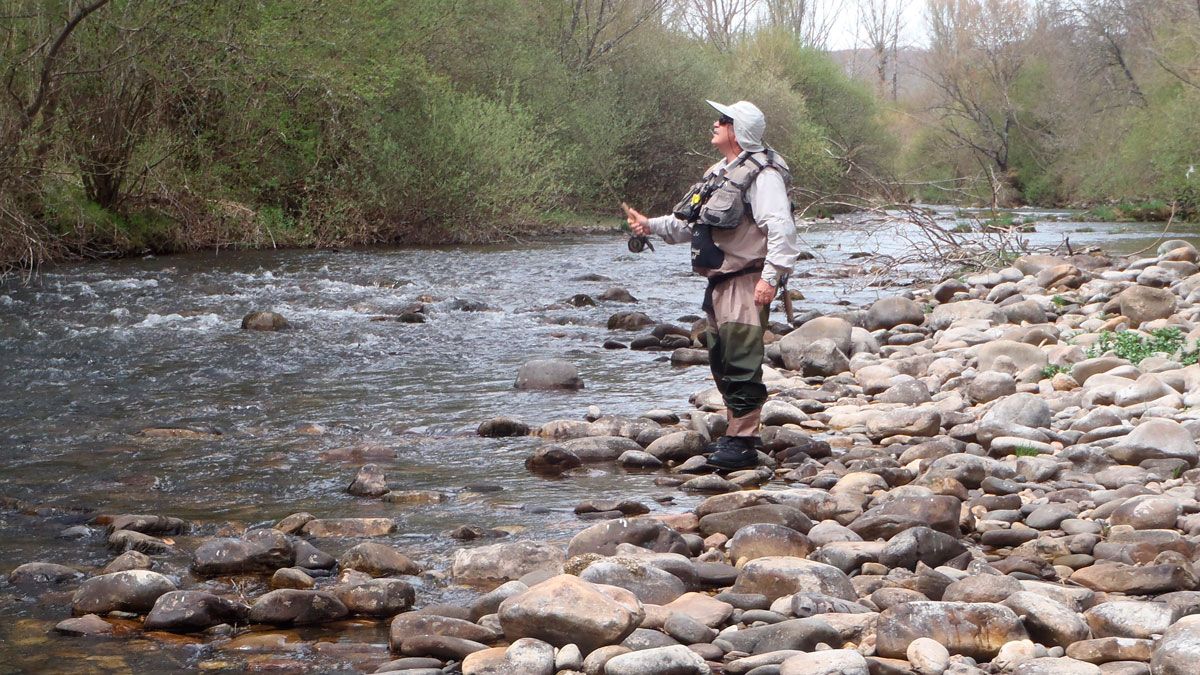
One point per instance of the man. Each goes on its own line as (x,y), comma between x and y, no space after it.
(739,221)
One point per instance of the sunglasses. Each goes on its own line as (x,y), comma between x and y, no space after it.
(724,119)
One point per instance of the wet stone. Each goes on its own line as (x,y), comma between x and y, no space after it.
(378,560)
(88,625)
(288,607)
(129,591)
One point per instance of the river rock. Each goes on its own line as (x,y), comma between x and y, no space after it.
(1022,355)
(1046,665)
(904,422)
(378,560)
(264,321)
(977,630)
(920,544)
(1147,512)
(761,540)
(729,522)
(1178,652)
(129,560)
(312,558)
(129,540)
(629,321)
(777,576)
(291,577)
(490,566)
(792,345)
(442,647)
(603,538)
(1048,621)
(677,446)
(819,358)
(88,625)
(827,662)
(526,655)
(502,427)
(258,552)
(291,607)
(1155,439)
(129,591)
(1129,618)
(1104,650)
(991,385)
(379,598)
(651,585)
(891,312)
(349,527)
(147,524)
(600,448)
(406,627)
(370,482)
(42,573)
(799,634)
(938,512)
(565,609)
(673,660)
(548,374)
(927,656)
(551,460)
(190,611)
(944,315)
(1143,303)
(1022,415)
(1137,580)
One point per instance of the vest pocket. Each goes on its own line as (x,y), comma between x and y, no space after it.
(724,208)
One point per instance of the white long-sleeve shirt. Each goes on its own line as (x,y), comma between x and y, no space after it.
(772,210)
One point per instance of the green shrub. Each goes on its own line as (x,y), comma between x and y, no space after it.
(1052,370)
(1134,348)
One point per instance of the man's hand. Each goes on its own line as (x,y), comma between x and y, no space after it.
(638,224)
(764,293)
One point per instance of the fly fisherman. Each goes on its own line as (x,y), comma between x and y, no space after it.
(739,221)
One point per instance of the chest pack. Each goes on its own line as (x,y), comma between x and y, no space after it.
(719,202)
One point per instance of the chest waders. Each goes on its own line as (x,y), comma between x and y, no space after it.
(717,206)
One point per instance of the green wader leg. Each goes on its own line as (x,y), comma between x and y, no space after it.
(736,358)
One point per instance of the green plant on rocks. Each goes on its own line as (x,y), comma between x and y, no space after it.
(1052,370)
(1060,301)
(1025,451)
(1134,347)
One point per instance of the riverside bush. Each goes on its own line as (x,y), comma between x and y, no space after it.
(299,123)
(1135,348)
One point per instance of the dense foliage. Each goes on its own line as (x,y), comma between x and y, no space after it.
(128,126)
(175,125)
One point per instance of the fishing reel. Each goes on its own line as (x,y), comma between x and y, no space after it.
(638,244)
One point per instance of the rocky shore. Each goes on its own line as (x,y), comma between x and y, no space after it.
(994,475)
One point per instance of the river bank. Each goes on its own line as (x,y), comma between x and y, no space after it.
(858,459)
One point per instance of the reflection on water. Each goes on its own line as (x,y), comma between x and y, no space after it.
(93,353)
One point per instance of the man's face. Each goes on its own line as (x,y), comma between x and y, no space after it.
(722,133)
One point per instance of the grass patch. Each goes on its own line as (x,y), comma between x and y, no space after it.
(1148,210)
(1025,451)
(1060,301)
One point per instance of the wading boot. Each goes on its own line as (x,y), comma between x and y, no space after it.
(732,453)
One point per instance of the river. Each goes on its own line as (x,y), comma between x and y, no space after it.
(92,353)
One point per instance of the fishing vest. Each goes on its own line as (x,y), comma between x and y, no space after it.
(725,237)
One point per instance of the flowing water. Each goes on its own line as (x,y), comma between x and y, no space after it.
(91,354)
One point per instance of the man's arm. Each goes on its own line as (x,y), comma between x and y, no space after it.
(773,214)
(671,229)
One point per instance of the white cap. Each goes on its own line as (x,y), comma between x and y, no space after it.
(749,123)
